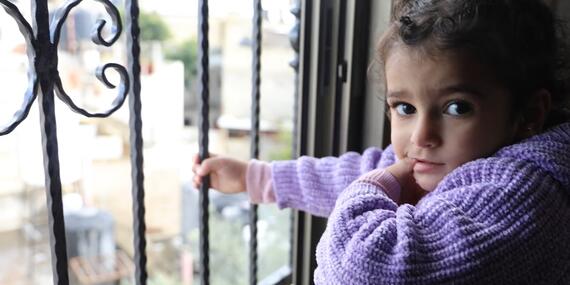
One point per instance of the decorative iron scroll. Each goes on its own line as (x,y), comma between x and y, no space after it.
(97,38)
(32,91)
(49,61)
(42,39)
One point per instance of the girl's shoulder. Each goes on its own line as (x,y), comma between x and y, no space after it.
(545,155)
(549,151)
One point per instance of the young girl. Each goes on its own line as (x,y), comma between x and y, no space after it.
(475,188)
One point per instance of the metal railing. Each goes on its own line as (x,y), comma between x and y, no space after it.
(203,60)
(255,100)
(204,91)
(42,38)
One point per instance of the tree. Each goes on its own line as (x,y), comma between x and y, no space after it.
(187,53)
(153,28)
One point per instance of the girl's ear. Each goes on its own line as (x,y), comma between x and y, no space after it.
(534,115)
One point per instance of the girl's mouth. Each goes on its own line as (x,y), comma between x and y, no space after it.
(424,166)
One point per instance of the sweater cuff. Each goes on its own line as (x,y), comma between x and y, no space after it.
(384,180)
(258,182)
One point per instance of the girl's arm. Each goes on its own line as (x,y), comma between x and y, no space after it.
(308,184)
(493,221)
(313,185)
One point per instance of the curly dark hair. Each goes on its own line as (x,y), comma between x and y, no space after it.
(520,40)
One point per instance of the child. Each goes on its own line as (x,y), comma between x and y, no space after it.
(475,187)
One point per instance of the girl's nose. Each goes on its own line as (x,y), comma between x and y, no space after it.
(426,133)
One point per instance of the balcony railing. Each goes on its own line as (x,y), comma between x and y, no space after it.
(44,84)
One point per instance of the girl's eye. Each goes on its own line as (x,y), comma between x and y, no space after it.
(458,108)
(405,109)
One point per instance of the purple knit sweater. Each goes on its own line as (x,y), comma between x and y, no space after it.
(498,220)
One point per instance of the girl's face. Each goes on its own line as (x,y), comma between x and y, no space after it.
(445,110)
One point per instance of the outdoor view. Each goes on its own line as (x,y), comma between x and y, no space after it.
(94,153)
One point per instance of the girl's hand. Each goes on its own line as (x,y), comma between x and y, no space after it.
(227,175)
(411,192)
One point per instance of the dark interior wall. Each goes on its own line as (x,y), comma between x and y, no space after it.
(563,9)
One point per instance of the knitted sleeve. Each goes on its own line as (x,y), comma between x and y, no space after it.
(313,185)
(258,182)
(492,221)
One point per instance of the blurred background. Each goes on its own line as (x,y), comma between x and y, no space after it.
(94,153)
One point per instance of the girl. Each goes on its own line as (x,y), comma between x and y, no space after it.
(475,188)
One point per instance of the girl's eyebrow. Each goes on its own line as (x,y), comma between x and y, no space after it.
(462,88)
(396,94)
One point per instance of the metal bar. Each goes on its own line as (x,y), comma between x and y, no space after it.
(204,91)
(136,141)
(358,76)
(341,68)
(255,98)
(46,64)
(300,267)
(294,39)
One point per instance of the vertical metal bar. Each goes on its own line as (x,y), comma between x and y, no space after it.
(294,39)
(300,266)
(341,67)
(136,141)
(358,76)
(255,98)
(203,74)
(45,64)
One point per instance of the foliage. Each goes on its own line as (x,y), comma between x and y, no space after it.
(229,250)
(187,52)
(163,279)
(284,150)
(153,28)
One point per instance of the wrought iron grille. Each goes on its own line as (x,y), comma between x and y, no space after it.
(44,83)
(42,39)
(203,60)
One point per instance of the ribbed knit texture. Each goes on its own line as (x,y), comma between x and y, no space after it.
(385,181)
(258,182)
(498,220)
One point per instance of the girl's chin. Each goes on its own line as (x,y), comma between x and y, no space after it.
(426,183)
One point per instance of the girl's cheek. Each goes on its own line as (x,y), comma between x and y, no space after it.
(399,153)
(399,149)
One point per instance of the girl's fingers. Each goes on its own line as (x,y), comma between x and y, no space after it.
(209,165)
(195,163)
(196,157)
(195,168)
(409,163)
(203,169)
(197,181)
